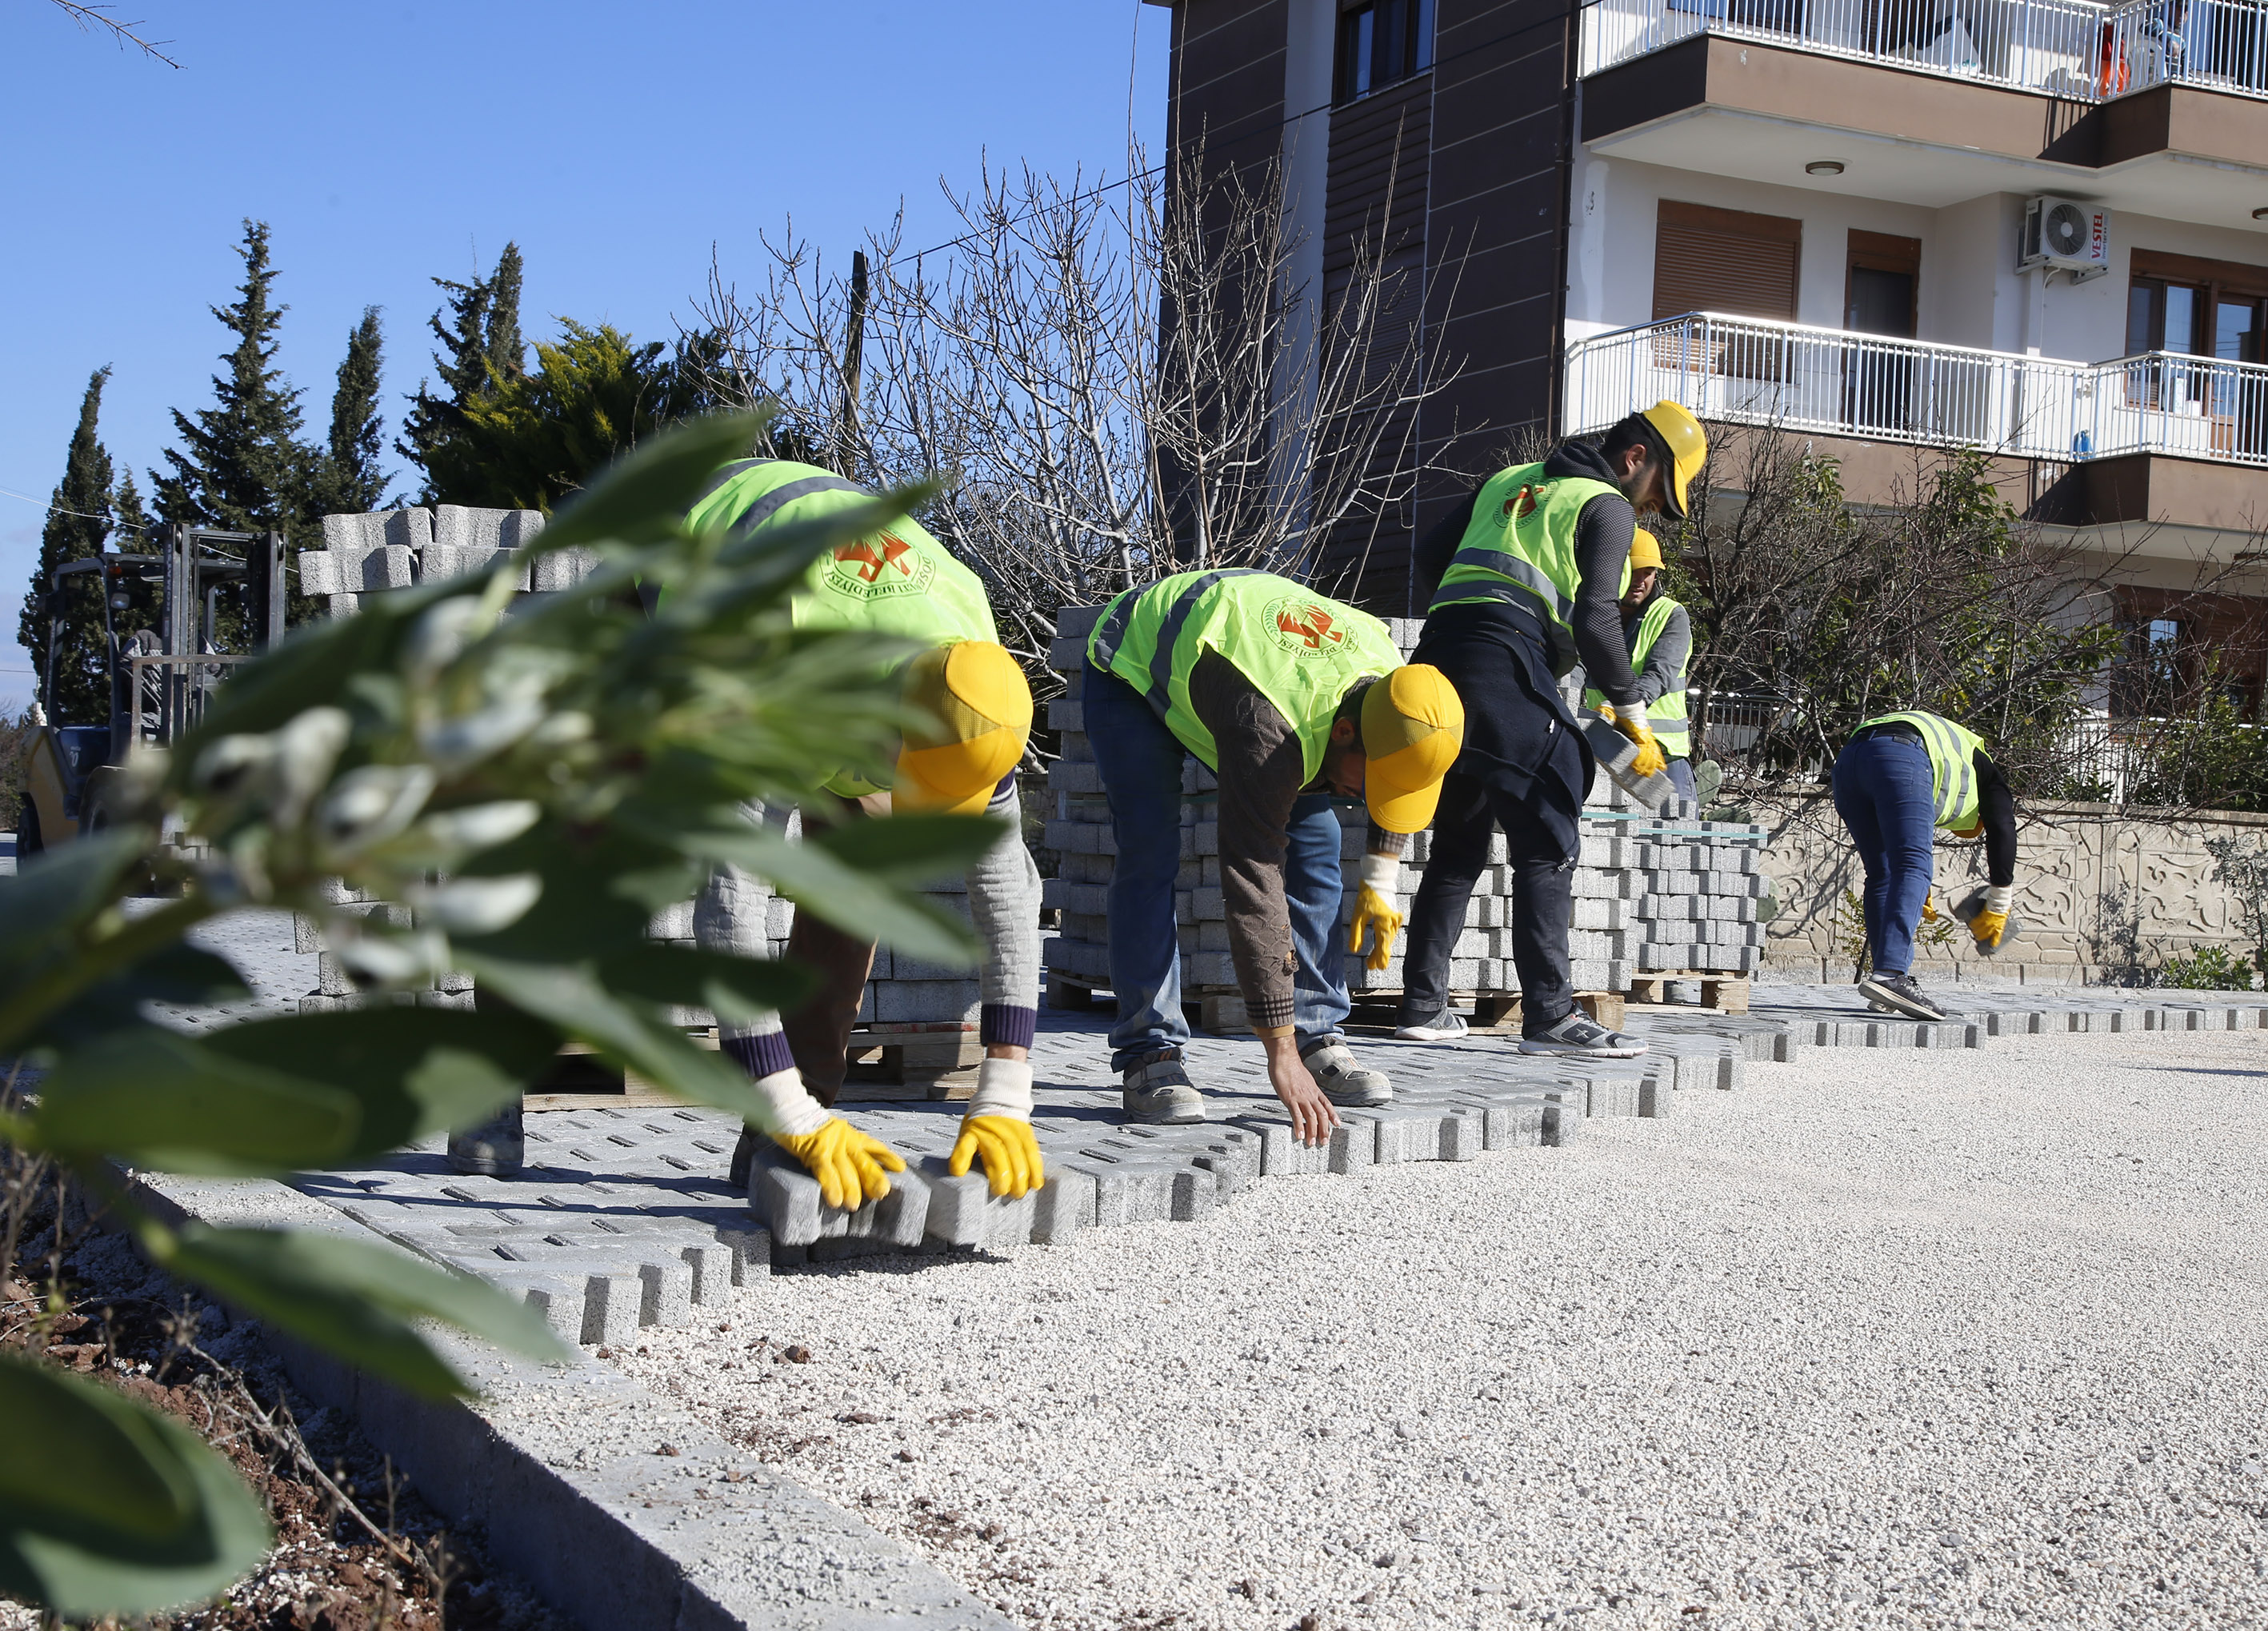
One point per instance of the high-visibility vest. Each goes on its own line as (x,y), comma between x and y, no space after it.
(1520,546)
(897,580)
(1952,751)
(1299,650)
(1664,716)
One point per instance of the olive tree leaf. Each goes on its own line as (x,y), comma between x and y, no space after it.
(167,1102)
(735,989)
(819,882)
(358,1299)
(107,1507)
(907,849)
(56,891)
(176,973)
(414,1070)
(645,494)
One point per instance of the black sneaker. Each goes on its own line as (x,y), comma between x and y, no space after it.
(1900,994)
(1579,1034)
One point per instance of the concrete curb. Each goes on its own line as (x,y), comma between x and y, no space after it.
(561,1467)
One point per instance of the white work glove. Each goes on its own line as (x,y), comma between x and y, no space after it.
(849,1164)
(1999,898)
(998,1130)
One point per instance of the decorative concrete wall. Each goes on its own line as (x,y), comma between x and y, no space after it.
(2098,891)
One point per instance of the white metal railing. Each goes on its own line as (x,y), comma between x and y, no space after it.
(1829,381)
(2077,49)
(2217,44)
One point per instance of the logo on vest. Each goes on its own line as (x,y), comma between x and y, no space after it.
(886,566)
(1302,625)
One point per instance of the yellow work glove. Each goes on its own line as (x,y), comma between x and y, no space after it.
(1928,910)
(847,1164)
(1375,917)
(998,1130)
(1649,759)
(1987,926)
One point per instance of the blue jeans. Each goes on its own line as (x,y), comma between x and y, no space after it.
(1140,762)
(1680,772)
(1886,796)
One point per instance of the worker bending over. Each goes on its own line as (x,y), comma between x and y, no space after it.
(901,582)
(1660,637)
(1288,699)
(1898,779)
(1531,569)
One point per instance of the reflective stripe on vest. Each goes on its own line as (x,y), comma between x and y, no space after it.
(1520,546)
(1664,716)
(1301,651)
(1951,751)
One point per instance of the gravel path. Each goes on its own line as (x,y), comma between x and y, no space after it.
(1902,1339)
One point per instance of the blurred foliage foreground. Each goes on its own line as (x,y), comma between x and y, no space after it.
(534,779)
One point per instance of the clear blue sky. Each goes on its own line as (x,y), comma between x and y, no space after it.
(390,143)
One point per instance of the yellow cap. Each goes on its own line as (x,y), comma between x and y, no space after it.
(983,707)
(1689,449)
(1645,550)
(1413,728)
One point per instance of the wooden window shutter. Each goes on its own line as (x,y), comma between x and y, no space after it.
(1708,260)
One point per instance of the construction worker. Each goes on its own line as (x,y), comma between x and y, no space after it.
(898,581)
(1288,699)
(1531,569)
(1899,778)
(1660,638)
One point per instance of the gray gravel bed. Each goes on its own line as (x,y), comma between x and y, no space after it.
(1913,1340)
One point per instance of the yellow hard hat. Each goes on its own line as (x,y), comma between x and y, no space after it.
(984,706)
(1689,449)
(1645,550)
(1413,728)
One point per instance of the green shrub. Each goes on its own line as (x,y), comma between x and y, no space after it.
(2207,968)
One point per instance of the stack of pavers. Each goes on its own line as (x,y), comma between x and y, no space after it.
(1653,896)
(921,1018)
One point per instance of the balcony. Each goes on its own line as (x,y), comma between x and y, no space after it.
(2068,48)
(1831,382)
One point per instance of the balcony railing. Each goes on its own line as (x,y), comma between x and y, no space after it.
(1831,382)
(2070,48)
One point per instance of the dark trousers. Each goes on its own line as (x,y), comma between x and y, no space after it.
(1542,902)
(1886,794)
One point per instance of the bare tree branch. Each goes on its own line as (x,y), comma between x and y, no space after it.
(96,17)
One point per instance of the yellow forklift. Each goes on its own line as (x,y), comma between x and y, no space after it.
(160,678)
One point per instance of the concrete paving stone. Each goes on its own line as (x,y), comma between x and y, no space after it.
(714,1273)
(1064,1205)
(1283,1156)
(666,1293)
(1611,1096)
(1353,1146)
(1655,1091)
(1125,1192)
(964,1211)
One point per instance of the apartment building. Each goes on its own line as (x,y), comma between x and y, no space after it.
(2034,227)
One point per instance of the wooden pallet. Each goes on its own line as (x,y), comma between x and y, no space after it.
(1728,994)
(579,1079)
(912,1063)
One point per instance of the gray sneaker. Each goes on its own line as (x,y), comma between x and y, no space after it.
(1332,1063)
(1901,994)
(1579,1034)
(1448,1025)
(1158,1091)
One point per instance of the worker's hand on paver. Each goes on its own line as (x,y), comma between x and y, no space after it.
(998,1129)
(1312,1116)
(1928,910)
(849,1164)
(1633,723)
(1375,917)
(1988,926)
(1010,1153)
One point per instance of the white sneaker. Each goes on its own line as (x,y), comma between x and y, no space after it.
(1448,1025)
(1344,1080)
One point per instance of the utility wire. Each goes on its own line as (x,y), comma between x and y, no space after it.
(53,509)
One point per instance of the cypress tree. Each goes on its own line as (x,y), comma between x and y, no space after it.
(79,518)
(481,350)
(351,482)
(242,465)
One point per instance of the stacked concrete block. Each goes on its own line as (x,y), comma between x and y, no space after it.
(395,549)
(1653,893)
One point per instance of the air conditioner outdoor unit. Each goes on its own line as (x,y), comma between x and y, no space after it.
(2065,236)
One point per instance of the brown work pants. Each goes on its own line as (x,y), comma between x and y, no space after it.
(818,1032)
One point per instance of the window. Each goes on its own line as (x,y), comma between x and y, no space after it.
(2216,310)
(1709,259)
(1381,41)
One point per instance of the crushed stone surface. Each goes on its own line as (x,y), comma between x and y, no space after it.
(1884,1340)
